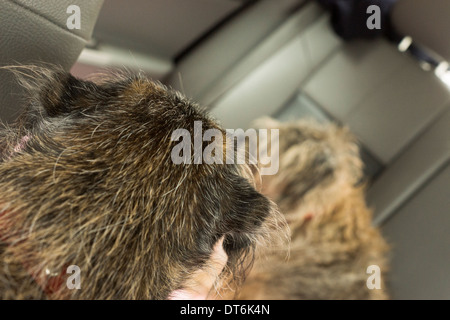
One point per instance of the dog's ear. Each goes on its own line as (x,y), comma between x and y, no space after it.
(52,91)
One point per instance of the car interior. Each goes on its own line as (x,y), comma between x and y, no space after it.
(245,59)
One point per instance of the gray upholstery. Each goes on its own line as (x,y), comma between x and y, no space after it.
(35,31)
(426,21)
(197,74)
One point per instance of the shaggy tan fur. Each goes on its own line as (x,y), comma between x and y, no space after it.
(332,239)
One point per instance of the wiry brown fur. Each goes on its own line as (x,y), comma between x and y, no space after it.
(332,239)
(94,186)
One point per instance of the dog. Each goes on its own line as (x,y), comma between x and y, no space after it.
(87,183)
(320,189)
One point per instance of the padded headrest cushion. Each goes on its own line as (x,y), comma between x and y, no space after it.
(34,31)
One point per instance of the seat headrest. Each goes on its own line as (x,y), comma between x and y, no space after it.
(34,32)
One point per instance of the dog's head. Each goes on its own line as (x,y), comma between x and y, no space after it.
(318,164)
(87,179)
